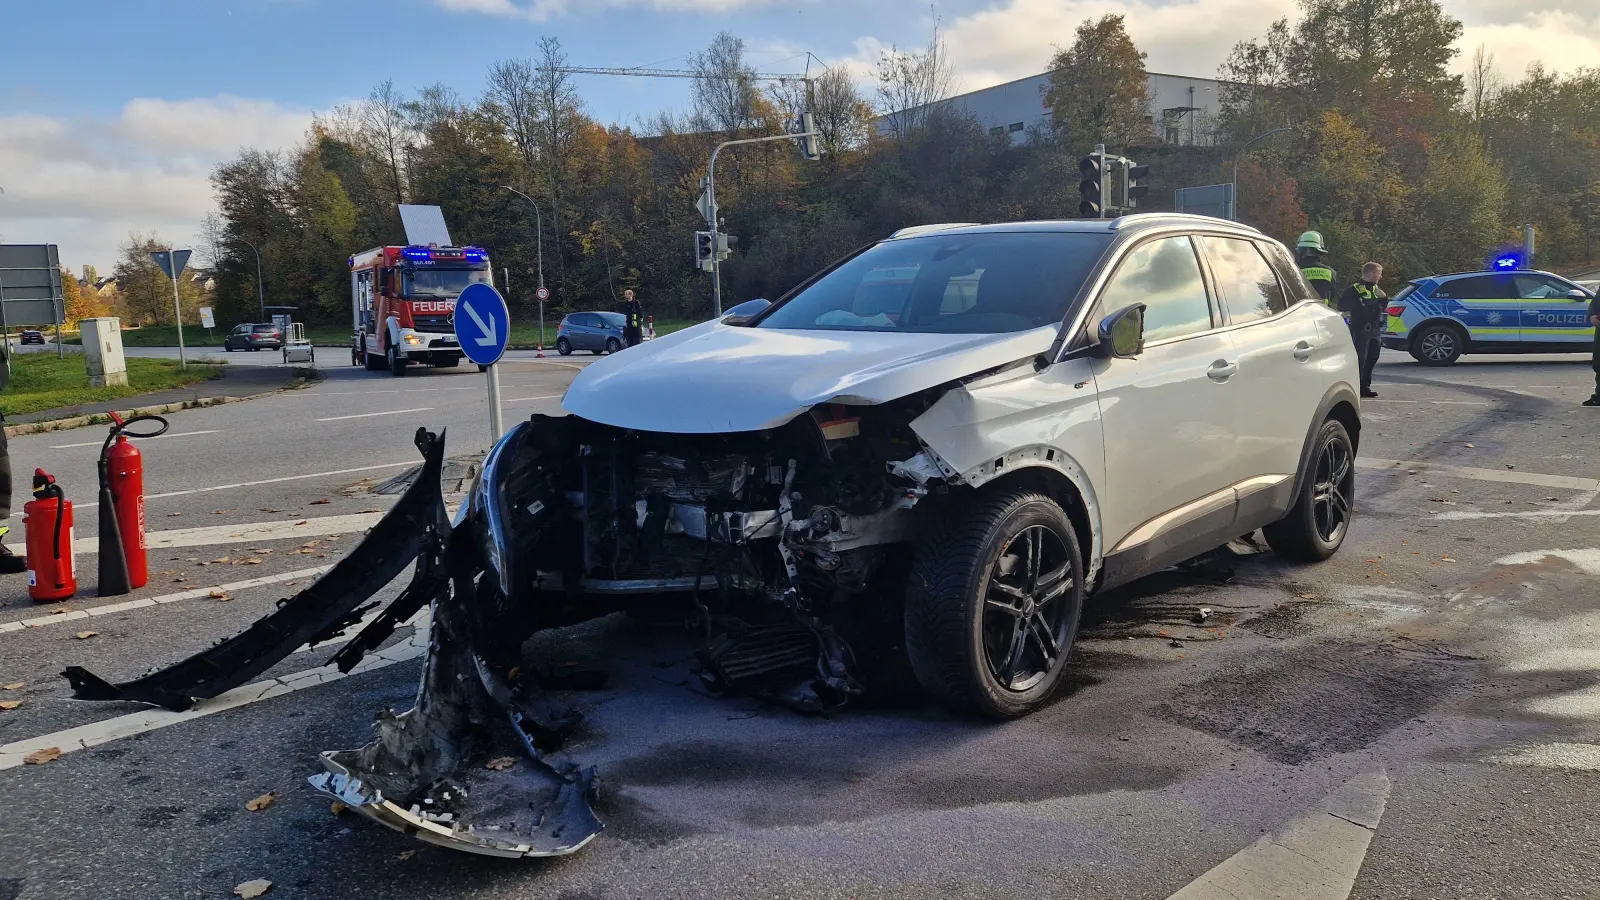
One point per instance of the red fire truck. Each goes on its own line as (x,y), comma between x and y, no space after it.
(404,303)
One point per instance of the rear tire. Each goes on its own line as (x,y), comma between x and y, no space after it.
(1438,345)
(563,346)
(1319,521)
(993,602)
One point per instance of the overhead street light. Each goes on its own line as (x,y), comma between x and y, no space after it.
(261,294)
(1233,200)
(539,250)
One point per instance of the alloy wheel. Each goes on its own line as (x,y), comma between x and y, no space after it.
(1438,345)
(1331,490)
(1025,620)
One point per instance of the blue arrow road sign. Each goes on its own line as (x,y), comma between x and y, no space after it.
(483,326)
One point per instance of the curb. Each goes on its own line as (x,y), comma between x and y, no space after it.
(102,418)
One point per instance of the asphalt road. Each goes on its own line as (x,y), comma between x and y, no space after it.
(1450,651)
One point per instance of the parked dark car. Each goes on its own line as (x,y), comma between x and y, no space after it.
(593,331)
(253,337)
(32,336)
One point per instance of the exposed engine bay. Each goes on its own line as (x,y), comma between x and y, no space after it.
(782,550)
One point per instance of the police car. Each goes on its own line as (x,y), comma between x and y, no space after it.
(1507,310)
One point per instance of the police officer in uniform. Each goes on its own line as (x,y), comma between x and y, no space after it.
(1363,306)
(1309,255)
(633,328)
(1594,319)
(10,563)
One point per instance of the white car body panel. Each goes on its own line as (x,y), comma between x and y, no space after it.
(714,378)
(1278,387)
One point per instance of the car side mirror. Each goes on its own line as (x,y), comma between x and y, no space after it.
(1122,333)
(744,312)
(1577,294)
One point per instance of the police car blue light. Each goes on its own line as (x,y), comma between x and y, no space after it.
(1506,309)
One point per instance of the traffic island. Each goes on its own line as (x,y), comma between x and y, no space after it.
(46,400)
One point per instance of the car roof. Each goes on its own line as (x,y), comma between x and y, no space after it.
(1134,222)
(1454,275)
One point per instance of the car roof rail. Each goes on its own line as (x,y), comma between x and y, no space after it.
(910,230)
(1149,218)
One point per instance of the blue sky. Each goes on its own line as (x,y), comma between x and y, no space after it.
(111,121)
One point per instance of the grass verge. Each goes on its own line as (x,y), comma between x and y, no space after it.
(39,381)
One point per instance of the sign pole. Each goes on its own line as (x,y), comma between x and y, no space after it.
(497,425)
(4,328)
(177,310)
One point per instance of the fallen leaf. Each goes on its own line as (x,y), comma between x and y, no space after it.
(260,550)
(220,595)
(322,556)
(303,522)
(60,609)
(322,502)
(310,543)
(252,561)
(269,509)
(85,635)
(338,808)
(372,510)
(1308,596)
(40,757)
(219,512)
(252,889)
(1472,446)
(13,686)
(406,854)
(1510,466)
(180,579)
(222,559)
(10,704)
(174,514)
(262,802)
(500,764)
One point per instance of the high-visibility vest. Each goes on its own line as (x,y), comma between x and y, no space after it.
(1321,278)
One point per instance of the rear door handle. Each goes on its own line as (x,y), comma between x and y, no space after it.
(1302,350)
(1222,370)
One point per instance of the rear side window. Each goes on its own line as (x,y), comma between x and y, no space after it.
(1478,287)
(1163,274)
(1404,292)
(1246,282)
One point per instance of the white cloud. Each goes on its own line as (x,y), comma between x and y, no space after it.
(86,183)
(542,10)
(1563,40)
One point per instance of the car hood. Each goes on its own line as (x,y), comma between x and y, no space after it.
(719,378)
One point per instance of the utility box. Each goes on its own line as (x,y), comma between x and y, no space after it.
(102,351)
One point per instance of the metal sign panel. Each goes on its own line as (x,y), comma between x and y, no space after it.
(483,326)
(1206,200)
(169,260)
(424,225)
(207,318)
(30,284)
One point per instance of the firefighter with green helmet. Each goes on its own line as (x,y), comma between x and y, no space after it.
(1310,255)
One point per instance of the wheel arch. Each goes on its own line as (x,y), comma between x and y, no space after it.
(1338,403)
(1058,477)
(1453,324)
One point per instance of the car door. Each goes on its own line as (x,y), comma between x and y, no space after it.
(237,337)
(1549,314)
(1486,304)
(1169,415)
(1281,355)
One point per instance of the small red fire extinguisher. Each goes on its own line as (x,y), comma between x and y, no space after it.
(124,564)
(47,518)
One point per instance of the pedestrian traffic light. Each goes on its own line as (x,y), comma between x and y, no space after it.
(811,145)
(725,244)
(705,249)
(1132,190)
(1092,188)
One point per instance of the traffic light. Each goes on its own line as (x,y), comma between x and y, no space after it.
(704,249)
(725,244)
(1092,188)
(810,147)
(1132,190)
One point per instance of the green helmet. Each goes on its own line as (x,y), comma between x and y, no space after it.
(1312,239)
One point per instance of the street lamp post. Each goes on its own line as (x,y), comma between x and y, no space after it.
(261,294)
(539,250)
(1233,200)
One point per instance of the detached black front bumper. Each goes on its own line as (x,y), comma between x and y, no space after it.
(424,775)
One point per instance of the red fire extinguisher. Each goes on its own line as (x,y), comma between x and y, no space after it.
(124,565)
(47,519)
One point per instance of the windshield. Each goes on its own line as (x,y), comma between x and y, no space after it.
(442,282)
(987,283)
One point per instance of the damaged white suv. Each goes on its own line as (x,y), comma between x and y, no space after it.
(929,454)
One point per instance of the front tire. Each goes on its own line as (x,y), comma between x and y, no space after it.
(397,363)
(613,345)
(993,603)
(1317,524)
(1438,345)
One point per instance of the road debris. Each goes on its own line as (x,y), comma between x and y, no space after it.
(338,808)
(405,854)
(42,756)
(1202,614)
(322,502)
(9,704)
(500,763)
(85,635)
(252,889)
(262,802)
(219,595)
(13,686)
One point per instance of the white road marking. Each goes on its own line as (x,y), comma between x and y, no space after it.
(1436,402)
(146,602)
(526,399)
(345,393)
(141,440)
(1505,476)
(244,532)
(1588,560)
(1583,757)
(392,412)
(1554,515)
(96,733)
(1314,857)
(229,487)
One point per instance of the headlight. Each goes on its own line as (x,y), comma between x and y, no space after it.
(413,339)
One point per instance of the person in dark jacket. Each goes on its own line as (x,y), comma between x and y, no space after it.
(1594,319)
(633,328)
(1363,306)
(10,563)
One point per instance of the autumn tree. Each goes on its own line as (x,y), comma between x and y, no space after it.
(145,291)
(1098,92)
(911,82)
